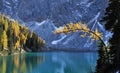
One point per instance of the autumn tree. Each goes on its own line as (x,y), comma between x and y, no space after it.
(4,41)
(85,31)
(13,37)
(17,44)
(94,35)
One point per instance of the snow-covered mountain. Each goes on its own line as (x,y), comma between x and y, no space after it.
(44,16)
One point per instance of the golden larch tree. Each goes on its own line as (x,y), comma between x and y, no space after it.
(4,41)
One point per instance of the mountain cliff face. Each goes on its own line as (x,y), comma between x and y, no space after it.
(44,16)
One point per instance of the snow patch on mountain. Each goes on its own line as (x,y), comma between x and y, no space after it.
(94,19)
(44,16)
(59,40)
(7,3)
(40,24)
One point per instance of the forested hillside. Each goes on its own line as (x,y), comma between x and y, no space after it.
(16,38)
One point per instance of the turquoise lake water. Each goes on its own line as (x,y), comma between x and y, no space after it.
(49,62)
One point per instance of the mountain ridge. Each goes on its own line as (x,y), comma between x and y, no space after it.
(55,14)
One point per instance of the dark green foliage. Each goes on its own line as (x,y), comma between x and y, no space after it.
(102,63)
(112,19)
(34,42)
(15,38)
(101,60)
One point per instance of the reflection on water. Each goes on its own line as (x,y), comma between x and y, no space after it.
(23,63)
(49,62)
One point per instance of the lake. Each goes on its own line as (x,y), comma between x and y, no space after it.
(49,62)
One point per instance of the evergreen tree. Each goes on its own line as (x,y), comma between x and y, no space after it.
(102,62)
(10,37)
(112,19)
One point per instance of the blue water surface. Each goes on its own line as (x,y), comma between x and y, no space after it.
(49,62)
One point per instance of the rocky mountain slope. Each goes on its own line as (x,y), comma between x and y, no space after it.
(44,16)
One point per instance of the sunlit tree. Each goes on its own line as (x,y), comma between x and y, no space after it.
(85,31)
(16,28)
(79,27)
(4,41)
(17,44)
(15,37)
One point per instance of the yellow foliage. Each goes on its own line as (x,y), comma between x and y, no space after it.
(77,26)
(85,28)
(16,29)
(4,40)
(84,35)
(70,26)
(23,38)
(17,44)
(14,36)
(98,33)
(92,36)
(41,41)
(66,30)
(59,30)
(95,35)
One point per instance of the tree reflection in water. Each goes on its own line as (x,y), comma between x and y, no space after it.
(21,63)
